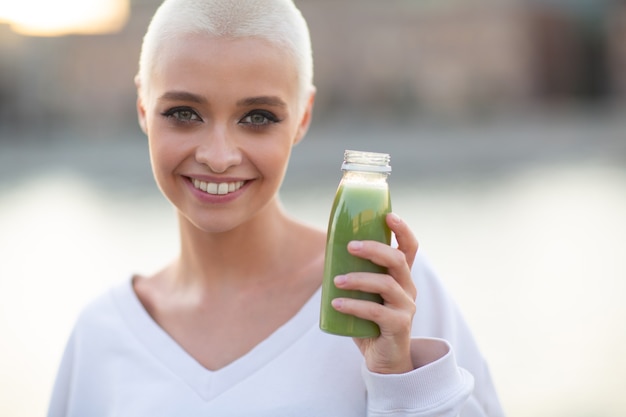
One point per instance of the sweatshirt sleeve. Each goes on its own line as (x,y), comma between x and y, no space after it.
(439,388)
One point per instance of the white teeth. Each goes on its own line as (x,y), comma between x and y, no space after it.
(217,189)
(222,188)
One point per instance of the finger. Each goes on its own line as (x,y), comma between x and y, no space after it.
(391,258)
(386,286)
(390,321)
(407,242)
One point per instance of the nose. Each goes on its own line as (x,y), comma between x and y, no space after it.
(218,151)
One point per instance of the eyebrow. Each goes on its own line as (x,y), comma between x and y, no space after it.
(262,101)
(249,101)
(183,96)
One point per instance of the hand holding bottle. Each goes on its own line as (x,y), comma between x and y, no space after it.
(389,353)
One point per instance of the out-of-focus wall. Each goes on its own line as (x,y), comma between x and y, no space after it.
(385,58)
(616,44)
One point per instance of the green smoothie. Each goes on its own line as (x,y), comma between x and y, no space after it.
(358,213)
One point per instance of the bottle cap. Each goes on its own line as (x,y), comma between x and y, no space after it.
(366,161)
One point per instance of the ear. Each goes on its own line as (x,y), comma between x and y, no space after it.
(305,119)
(141,109)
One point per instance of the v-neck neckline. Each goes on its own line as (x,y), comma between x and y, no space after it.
(207,383)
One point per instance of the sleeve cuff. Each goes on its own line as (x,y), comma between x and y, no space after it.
(437,386)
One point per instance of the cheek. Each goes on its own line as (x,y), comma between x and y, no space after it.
(275,167)
(157,153)
(273,156)
(162,156)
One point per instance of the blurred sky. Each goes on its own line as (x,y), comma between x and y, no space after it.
(505,121)
(65,17)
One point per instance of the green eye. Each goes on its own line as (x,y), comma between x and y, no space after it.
(183,115)
(259,118)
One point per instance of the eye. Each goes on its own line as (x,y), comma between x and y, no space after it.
(258,118)
(182,114)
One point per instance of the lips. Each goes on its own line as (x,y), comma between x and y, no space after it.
(214,188)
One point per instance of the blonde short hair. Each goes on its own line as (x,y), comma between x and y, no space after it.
(277,21)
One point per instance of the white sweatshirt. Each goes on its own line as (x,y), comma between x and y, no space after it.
(119,362)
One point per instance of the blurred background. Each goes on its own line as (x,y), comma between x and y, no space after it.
(506,122)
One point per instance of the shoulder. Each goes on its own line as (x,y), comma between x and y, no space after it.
(103,313)
(98,324)
(428,282)
(438,314)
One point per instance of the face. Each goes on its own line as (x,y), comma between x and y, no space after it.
(221,117)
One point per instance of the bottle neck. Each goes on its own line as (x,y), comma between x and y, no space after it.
(365,176)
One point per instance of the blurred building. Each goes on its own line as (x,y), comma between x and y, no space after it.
(616,45)
(394,57)
(471,55)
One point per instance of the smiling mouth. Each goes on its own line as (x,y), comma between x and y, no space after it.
(214,188)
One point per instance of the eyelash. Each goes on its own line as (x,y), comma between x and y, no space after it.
(175,113)
(270,118)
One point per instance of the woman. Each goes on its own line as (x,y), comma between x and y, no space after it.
(229,328)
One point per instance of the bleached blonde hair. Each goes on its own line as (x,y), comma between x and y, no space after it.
(277,21)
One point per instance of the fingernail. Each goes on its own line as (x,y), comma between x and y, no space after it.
(394,218)
(355,245)
(337,303)
(340,279)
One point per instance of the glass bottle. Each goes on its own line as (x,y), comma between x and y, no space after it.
(361,204)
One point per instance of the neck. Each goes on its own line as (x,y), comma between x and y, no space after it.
(233,258)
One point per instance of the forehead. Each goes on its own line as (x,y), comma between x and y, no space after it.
(195,63)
